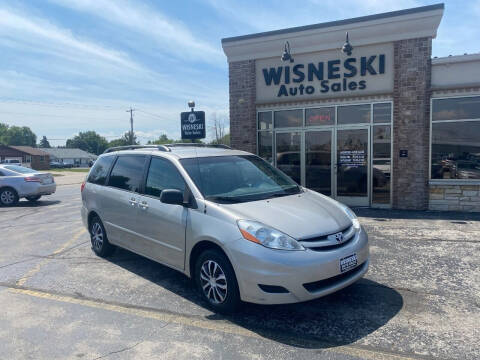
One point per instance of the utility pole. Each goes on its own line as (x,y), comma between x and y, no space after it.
(131,125)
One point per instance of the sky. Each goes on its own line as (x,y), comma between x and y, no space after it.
(75,65)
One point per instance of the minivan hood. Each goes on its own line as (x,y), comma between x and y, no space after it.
(301,216)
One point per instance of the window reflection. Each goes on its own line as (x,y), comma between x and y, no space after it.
(354,114)
(381,164)
(318,161)
(456,108)
(288,154)
(382,113)
(265,120)
(289,118)
(265,145)
(456,150)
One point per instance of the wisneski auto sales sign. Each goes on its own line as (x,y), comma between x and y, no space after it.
(368,70)
(193,125)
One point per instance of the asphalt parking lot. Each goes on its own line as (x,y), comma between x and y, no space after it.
(419,300)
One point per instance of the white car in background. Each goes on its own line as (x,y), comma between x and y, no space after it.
(18,182)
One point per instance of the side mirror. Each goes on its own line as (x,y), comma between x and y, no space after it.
(172,196)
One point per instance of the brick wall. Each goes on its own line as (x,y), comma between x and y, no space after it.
(411,117)
(243,132)
(455,197)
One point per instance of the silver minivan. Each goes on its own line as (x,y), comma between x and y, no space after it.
(239,227)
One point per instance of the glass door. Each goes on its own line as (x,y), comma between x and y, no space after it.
(318,161)
(352,166)
(288,146)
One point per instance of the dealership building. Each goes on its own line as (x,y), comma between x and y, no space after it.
(368,118)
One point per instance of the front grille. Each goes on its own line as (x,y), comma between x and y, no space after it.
(326,283)
(323,243)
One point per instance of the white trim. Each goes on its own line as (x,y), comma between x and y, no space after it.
(456,59)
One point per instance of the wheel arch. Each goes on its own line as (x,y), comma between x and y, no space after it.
(91,215)
(199,248)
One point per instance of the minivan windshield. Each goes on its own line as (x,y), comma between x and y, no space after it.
(238,178)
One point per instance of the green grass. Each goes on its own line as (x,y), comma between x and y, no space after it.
(80,170)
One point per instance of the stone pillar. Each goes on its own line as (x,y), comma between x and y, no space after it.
(411,122)
(243,124)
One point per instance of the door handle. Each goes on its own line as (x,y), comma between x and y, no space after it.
(133,202)
(144,205)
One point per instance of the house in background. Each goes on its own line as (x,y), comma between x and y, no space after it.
(74,157)
(30,157)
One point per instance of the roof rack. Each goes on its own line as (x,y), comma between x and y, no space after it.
(133,147)
(220,146)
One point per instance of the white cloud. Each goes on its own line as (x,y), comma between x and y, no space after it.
(173,36)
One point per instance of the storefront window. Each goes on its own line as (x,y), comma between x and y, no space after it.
(265,145)
(289,118)
(456,108)
(265,120)
(353,114)
(456,150)
(381,164)
(320,116)
(288,154)
(382,113)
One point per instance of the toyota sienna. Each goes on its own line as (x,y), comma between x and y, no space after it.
(239,227)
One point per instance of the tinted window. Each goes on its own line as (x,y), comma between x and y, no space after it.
(456,108)
(265,120)
(99,172)
(320,116)
(456,150)
(353,114)
(127,173)
(162,175)
(288,118)
(2,174)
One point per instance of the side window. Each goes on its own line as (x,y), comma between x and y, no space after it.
(162,175)
(127,173)
(99,172)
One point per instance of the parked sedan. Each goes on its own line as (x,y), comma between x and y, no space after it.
(18,182)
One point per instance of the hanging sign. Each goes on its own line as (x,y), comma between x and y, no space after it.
(192,125)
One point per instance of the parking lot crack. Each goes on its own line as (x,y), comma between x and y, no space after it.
(118,351)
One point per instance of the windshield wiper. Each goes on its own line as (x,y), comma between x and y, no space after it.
(230,199)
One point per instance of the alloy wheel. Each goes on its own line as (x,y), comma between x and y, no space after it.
(213,282)
(97,236)
(7,197)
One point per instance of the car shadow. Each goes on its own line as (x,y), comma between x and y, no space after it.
(35,204)
(385,214)
(338,319)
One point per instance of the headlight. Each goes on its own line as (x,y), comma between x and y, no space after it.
(352,216)
(267,236)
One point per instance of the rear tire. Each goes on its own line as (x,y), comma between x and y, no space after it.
(216,281)
(8,196)
(33,198)
(98,237)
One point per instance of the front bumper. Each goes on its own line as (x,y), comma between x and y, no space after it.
(256,265)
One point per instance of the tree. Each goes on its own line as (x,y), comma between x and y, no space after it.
(218,128)
(3,133)
(124,140)
(44,142)
(225,140)
(163,139)
(88,141)
(16,135)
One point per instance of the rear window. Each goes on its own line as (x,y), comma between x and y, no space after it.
(127,173)
(99,172)
(19,169)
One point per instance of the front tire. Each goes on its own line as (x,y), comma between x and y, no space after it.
(98,238)
(8,197)
(216,282)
